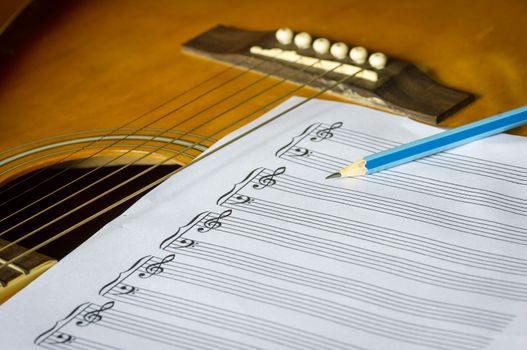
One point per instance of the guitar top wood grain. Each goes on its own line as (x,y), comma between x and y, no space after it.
(98,64)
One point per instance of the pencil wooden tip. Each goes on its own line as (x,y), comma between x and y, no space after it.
(356,168)
(333,176)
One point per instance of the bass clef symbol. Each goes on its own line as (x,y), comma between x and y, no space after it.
(269,179)
(300,152)
(156,268)
(214,223)
(240,199)
(62,338)
(326,133)
(183,243)
(94,316)
(124,289)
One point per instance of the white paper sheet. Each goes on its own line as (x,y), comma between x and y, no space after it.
(253,248)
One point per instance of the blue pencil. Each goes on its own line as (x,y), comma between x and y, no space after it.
(436,143)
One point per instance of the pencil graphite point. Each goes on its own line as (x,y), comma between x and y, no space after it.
(333,176)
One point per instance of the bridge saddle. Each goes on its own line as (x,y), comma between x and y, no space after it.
(374,79)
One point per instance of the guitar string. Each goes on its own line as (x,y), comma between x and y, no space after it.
(148,140)
(249,69)
(146,154)
(10,187)
(166,160)
(5,264)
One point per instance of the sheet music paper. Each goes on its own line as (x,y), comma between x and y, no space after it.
(251,248)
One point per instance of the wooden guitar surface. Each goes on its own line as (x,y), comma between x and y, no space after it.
(97,64)
(91,66)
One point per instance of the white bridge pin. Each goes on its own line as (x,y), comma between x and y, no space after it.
(378,60)
(284,36)
(339,50)
(358,54)
(321,45)
(303,40)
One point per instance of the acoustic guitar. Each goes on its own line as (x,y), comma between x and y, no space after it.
(102,100)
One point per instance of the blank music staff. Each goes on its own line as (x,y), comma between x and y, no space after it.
(340,250)
(446,160)
(257,290)
(342,285)
(411,182)
(225,319)
(403,209)
(304,152)
(127,326)
(59,340)
(410,241)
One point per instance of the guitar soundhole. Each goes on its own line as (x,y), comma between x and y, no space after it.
(62,246)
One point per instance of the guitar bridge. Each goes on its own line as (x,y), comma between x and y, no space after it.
(385,83)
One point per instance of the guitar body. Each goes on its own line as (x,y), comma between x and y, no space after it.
(73,71)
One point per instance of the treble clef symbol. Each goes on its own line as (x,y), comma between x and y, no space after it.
(268,180)
(326,133)
(94,316)
(156,268)
(214,223)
